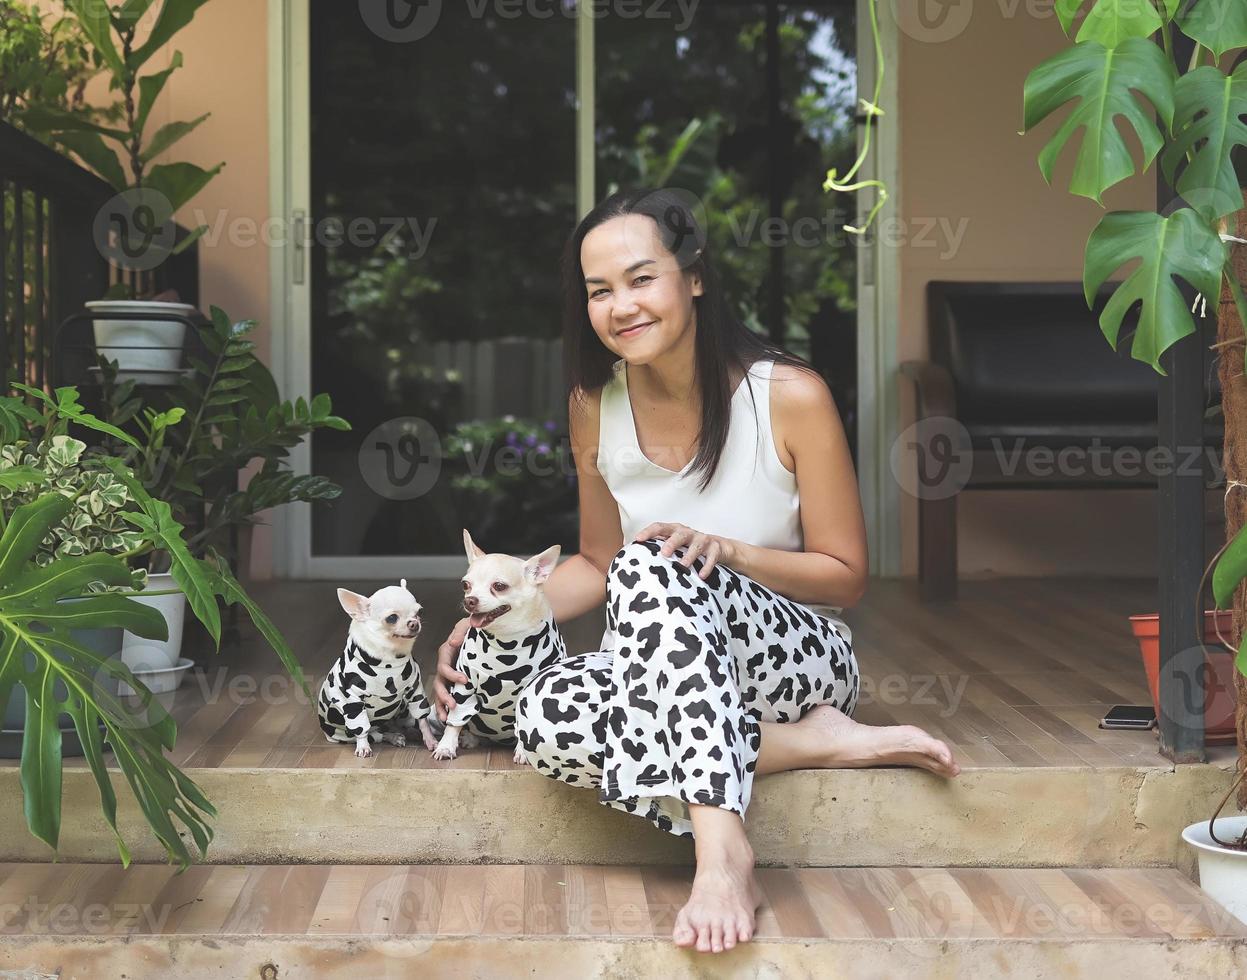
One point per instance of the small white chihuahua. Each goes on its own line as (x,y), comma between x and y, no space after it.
(512,635)
(376,679)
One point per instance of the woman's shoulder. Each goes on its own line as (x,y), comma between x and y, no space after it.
(796,389)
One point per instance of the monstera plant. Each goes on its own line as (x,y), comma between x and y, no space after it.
(1122,72)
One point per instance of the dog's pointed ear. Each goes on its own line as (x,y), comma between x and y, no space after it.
(538,568)
(470,547)
(356,605)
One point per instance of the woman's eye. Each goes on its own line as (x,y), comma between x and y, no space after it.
(392,618)
(594,294)
(639,278)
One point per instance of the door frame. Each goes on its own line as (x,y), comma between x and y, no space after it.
(290,300)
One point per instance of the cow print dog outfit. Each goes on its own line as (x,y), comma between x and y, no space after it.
(670,715)
(362,693)
(497,670)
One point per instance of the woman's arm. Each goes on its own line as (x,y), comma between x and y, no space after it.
(833,569)
(578,585)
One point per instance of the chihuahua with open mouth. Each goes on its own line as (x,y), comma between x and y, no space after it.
(512,635)
(374,686)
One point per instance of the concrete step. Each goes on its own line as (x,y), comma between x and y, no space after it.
(458,814)
(82,920)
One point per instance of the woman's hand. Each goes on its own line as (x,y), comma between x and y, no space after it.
(710,547)
(447,653)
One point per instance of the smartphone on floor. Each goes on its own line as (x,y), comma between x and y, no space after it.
(1137,717)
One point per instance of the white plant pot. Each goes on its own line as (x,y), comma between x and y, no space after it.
(146,351)
(140,654)
(160,681)
(1222,872)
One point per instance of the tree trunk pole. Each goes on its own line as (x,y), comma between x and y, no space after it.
(1230,340)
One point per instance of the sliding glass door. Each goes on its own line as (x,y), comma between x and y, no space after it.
(440,183)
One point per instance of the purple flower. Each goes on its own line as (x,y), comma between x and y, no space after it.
(530,440)
(543,448)
(511,439)
(549,425)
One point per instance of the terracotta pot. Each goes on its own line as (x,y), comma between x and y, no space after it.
(1219,698)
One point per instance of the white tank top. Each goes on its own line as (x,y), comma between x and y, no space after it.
(752,497)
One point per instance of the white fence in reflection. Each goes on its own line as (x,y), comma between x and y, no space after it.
(509,375)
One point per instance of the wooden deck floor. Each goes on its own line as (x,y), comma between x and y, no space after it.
(1069,904)
(1016,673)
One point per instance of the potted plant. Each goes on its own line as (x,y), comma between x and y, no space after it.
(38,456)
(136,228)
(67,676)
(194,440)
(1122,60)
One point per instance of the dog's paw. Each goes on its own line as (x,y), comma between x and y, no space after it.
(426,733)
(395,738)
(519,758)
(443,752)
(364,751)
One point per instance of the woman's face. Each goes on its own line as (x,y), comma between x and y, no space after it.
(640,301)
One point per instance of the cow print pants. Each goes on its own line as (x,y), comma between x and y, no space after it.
(670,715)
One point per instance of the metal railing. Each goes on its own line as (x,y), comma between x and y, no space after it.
(50,263)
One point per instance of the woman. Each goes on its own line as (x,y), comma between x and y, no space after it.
(720,523)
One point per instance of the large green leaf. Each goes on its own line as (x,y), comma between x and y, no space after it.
(1181,245)
(1219,25)
(1231,568)
(174,15)
(66,406)
(158,523)
(179,182)
(16,477)
(96,155)
(33,622)
(227,586)
(51,119)
(166,136)
(1208,123)
(1112,21)
(150,87)
(1104,81)
(93,17)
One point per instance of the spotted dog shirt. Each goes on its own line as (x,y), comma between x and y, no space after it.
(361,691)
(497,671)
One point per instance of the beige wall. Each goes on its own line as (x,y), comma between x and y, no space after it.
(962,160)
(225,73)
(963,165)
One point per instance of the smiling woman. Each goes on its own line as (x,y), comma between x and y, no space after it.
(723,567)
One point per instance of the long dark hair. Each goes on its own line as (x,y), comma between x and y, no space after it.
(722,340)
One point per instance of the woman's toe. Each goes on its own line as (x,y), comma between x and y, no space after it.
(729,934)
(703,939)
(716,938)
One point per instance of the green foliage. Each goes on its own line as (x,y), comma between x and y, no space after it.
(223,419)
(1114,64)
(121,153)
(44,64)
(34,623)
(1104,81)
(513,479)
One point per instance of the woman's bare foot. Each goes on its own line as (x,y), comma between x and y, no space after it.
(720,911)
(839,742)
